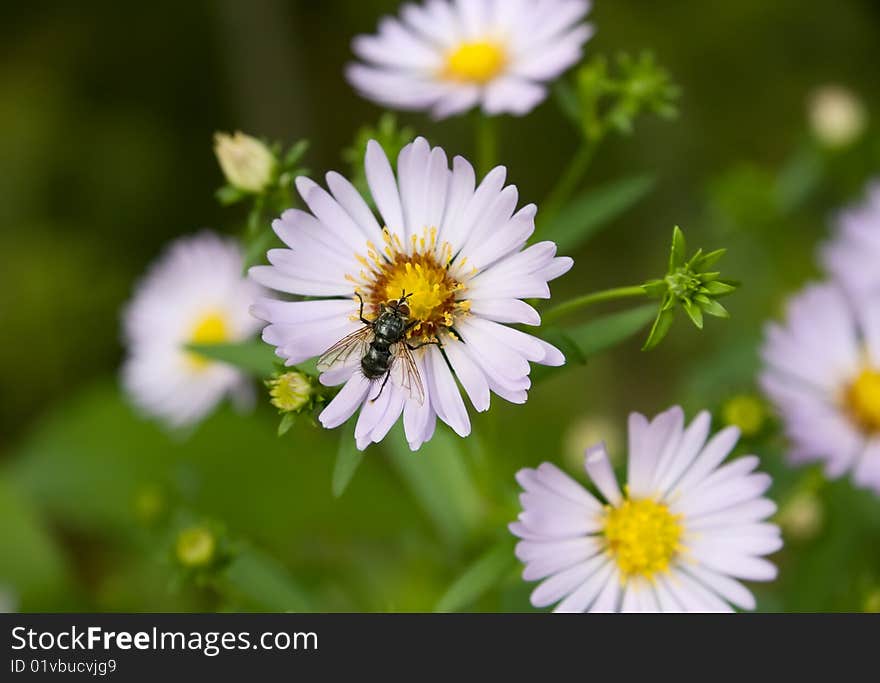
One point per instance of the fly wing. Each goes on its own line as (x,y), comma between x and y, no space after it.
(405,372)
(353,346)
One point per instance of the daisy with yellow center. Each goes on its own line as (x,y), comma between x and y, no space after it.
(680,536)
(822,373)
(852,255)
(194,294)
(456,250)
(448,56)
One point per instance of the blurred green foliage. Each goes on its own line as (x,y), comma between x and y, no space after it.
(107,155)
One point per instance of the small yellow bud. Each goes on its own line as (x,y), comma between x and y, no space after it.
(801,517)
(149,504)
(290,392)
(872,602)
(195,547)
(247,163)
(588,431)
(746,412)
(837,116)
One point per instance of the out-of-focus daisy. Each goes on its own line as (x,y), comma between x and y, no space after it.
(823,374)
(194,294)
(677,537)
(448,56)
(453,247)
(853,255)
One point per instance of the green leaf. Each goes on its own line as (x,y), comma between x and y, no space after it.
(295,153)
(610,330)
(709,260)
(438,478)
(679,249)
(719,288)
(348,458)
(712,307)
(567,100)
(586,215)
(228,195)
(694,313)
(593,337)
(263,583)
(287,421)
(255,253)
(32,565)
(661,326)
(254,357)
(480,577)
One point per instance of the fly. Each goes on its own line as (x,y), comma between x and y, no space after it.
(381,348)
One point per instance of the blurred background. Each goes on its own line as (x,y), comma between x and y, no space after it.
(108,111)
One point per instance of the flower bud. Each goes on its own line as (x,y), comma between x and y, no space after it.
(588,431)
(247,163)
(290,392)
(196,547)
(745,412)
(837,116)
(872,602)
(801,517)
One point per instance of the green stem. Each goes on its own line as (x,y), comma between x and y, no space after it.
(487,143)
(569,181)
(577,303)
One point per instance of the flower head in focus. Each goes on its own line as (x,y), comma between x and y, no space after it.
(455,248)
(678,537)
(447,56)
(247,163)
(194,294)
(822,372)
(853,255)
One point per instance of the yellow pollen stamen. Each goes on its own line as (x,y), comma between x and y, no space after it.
(863,400)
(211,328)
(422,271)
(642,536)
(476,62)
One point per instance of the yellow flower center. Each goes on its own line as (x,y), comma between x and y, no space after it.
(211,328)
(642,536)
(863,400)
(476,62)
(423,271)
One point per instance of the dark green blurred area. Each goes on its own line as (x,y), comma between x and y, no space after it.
(108,111)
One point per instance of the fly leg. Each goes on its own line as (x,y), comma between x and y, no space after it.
(382,388)
(361,314)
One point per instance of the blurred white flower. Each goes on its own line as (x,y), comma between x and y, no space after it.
(454,247)
(194,294)
(448,56)
(677,537)
(853,255)
(822,372)
(837,116)
(8,599)
(247,163)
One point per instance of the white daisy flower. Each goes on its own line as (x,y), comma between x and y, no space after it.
(448,56)
(453,248)
(852,257)
(822,372)
(677,537)
(195,293)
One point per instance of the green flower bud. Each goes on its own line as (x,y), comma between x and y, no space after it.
(196,547)
(745,412)
(291,391)
(247,163)
(690,284)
